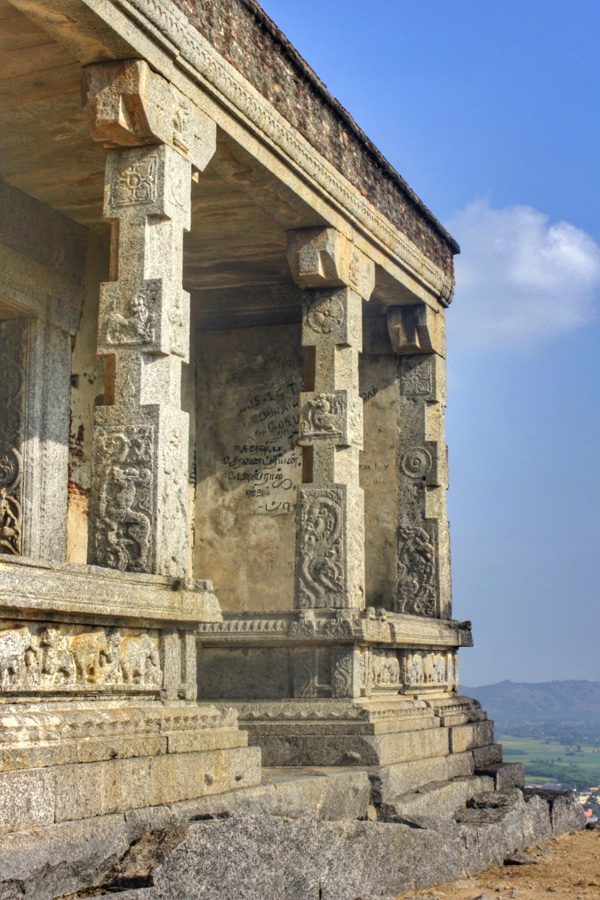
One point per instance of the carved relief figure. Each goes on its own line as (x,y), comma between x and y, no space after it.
(18,658)
(342,677)
(137,325)
(415,578)
(322,417)
(415,672)
(439,669)
(123,527)
(320,567)
(95,655)
(57,662)
(139,660)
(386,669)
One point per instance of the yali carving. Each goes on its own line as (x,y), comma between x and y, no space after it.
(124,464)
(321,576)
(323,416)
(416,567)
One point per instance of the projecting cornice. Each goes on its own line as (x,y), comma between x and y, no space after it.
(161,33)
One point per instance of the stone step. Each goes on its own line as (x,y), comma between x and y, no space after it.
(438,799)
(401,778)
(505,775)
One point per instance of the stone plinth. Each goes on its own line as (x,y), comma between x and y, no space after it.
(97,705)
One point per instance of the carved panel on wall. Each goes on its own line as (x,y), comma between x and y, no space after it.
(56,658)
(385,670)
(416,376)
(136,184)
(13,360)
(124,464)
(321,563)
(430,669)
(416,570)
(135,323)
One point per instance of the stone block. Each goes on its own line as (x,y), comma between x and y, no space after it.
(489,755)
(26,799)
(184,776)
(438,800)
(505,775)
(325,749)
(117,785)
(401,778)
(469,737)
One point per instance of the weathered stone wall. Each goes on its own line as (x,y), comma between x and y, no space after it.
(251,42)
(248,464)
(87,385)
(379,388)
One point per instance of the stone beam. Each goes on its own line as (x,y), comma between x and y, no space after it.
(330,528)
(423,585)
(139,510)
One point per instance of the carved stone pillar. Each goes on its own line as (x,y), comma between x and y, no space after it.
(139,517)
(330,529)
(423,585)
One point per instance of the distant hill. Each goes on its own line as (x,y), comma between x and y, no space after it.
(556,701)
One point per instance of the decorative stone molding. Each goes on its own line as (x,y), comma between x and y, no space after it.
(365,626)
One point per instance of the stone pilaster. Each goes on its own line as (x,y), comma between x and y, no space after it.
(139,516)
(423,584)
(330,528)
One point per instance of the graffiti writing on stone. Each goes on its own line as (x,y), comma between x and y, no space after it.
(268,467)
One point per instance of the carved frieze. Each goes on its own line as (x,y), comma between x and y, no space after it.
(321,573)
(334,417)
(57,658)
(124,481)
(430,669)
(415,580)
(13,356)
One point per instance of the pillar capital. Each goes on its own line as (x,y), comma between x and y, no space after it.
(323,257)
(129,105)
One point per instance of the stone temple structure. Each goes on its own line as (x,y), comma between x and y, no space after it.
(224,553)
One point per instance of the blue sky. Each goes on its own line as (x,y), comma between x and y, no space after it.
(490,111)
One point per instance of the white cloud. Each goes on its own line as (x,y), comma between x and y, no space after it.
(520,280)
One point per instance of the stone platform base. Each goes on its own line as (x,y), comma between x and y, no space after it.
(301,835)
(61,762)
(406,743)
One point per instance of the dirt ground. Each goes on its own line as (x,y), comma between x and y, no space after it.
(567,868)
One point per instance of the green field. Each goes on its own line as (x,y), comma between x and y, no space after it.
(553,761)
